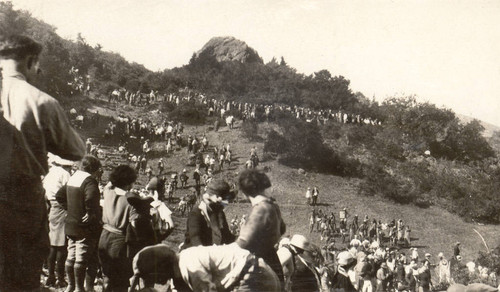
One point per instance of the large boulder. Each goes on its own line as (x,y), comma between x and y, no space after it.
(229,49)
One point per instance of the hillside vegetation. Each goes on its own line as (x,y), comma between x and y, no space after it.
(418,154)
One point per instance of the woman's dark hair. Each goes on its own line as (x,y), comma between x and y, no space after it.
(122,176)
(252,182)
(90,164)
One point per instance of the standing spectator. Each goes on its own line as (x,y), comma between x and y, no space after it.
(183,178)
(296,273)
(216,125)
(414,254)
(341,280)
(80,196)
(88,145)
(367,274)
(197,177)
(264,226)
(58,176)
(383,278)
(309,196)
(144,163)
(161,166)
(456,249)
(140,232)
(412,272)
(312,220)
(424,277)
(443,269)
(315,194)
(117,213)
(31,124)
(207,224)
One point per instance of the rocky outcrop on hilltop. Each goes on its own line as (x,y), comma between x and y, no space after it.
(230,49)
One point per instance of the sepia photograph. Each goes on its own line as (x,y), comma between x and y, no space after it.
(249,145)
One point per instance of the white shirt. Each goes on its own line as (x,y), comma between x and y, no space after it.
(54,180)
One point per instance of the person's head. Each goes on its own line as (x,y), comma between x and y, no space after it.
(22,52)
(123,177)
(91,165)
(354,245)
(346,260)
(253,182)
(300,243)
(218,193)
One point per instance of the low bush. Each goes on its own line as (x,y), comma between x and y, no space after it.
(189,112)
(250,130)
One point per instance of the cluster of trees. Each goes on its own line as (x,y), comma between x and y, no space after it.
(105,70)
(250,81)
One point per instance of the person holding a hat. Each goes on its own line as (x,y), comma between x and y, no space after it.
(32,123)
(207,224)
(296,270)
(117,213)
(264,225)
(58,176)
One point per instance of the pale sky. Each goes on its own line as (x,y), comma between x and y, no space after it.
(445,52)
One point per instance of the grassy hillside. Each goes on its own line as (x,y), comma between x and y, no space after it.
(433,229)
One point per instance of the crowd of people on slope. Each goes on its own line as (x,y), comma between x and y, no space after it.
(67,218)
(395,232)
(224,110)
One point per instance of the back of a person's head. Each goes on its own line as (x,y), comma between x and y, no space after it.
(252,182)
(122,176)
(17,47)
(90,164)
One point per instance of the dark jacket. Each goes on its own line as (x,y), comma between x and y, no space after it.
(80,197)
(199,231)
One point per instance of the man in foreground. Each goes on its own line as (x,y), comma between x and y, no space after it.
(31,124)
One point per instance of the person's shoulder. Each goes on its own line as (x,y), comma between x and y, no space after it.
(36,95)
(90,181)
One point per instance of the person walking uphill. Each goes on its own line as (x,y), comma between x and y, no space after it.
(80,197)
(32,123)
(264,225)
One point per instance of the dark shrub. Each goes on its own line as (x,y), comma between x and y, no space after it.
(250,130)
(275,143)
(189,112)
